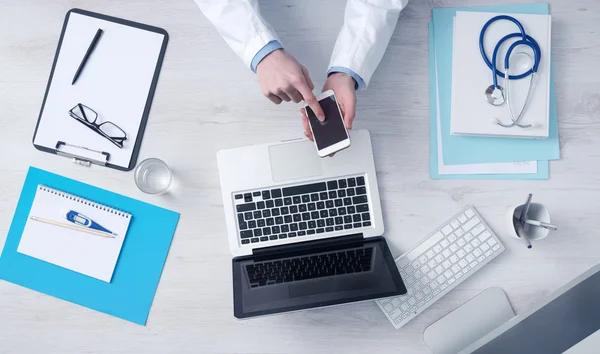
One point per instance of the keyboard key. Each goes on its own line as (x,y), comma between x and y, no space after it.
(302,208)
(347,226)
(266,195)
(320,230)
(246,207)
(469,213)
(339,227)
(285,228)
(245,241)
(258,232)
(310,232)
(359,199)
(495,248)
(311,206)
(366,223)
(352,182)
(312,224)
(269,203)
(276,193)
(305,216)
(279,202)
(275,229)
(444,244)
(357,224)
(339,220)
(251,224)
(348,219)
(324,214)
(243,226)
(361,190)
(362,208)
(342,193)
(292,234)
(246,234)
(332,185)
(296,200)
(266,231)
(439,258)
(366,216)
(342,183)
(275,212)
(306,198)
(260,205)
(239,196)
(446,230)
(330,222)
(484,236)
(303,225)
(247,197)
(341,211)
(455,224)
(254,240)
(264,238)
(339,203)
(462,218)
(470,224)
(301,233)
(350,192)
(270,221)
(329,229)
(273,237)
(333,212)
(347,201)
(360,181)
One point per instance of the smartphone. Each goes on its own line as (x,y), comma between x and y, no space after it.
(330,135)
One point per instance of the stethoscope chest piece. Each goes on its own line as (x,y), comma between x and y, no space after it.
(494,95)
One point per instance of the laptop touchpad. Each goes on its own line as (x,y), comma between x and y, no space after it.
(294,160)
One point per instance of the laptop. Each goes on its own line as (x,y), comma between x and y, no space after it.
(304,231)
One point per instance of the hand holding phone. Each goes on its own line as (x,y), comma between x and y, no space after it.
(329,135)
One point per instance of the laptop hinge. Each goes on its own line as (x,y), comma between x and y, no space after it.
(313,244)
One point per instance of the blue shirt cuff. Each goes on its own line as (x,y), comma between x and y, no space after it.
(360,83)
(266,50)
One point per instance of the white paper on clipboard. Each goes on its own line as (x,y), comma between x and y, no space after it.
(115,82)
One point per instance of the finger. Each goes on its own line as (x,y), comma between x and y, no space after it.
(305,122)
(311,101)
(349,113)
(309,82)
(283,96)
(274,98)
(294,95)
(308,135)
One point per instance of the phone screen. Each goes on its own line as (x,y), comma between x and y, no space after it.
(331,131)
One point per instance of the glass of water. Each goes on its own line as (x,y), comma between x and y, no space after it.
(153,176)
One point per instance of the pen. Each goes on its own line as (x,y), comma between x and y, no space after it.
(541,224)
(521,226)
(87,54)
(72,227)
(522,234)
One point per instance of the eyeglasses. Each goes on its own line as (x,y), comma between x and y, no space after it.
(109,130)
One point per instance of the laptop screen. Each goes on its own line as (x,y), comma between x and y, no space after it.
(341,272)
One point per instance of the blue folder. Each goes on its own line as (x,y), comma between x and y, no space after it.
(469,149)
(542,172)
(130,293)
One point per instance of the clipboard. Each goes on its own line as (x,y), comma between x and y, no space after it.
(119,81)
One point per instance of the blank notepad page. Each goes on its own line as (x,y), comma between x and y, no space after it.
(79,251)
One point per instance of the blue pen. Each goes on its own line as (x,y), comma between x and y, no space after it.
(84,221)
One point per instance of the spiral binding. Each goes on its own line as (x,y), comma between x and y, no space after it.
(83,201)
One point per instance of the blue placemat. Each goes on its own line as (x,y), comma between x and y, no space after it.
(129,296)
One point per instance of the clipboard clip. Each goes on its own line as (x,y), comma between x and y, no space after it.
(81,155)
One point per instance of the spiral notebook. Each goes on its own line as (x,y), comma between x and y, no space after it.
(79,251)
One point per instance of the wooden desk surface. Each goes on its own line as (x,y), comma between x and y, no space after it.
(207,100)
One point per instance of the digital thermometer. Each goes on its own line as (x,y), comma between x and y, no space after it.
(84,221)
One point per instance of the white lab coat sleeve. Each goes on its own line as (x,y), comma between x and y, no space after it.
(240,24)
(365,35)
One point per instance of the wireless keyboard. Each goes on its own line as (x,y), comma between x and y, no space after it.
(451,254)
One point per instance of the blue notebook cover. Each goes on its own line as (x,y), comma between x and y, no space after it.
(470,149)
(542,172)
(130,293)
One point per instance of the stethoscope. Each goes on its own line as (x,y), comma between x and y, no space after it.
(495,94)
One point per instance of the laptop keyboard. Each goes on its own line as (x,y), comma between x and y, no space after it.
(301,210)
(309,267)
